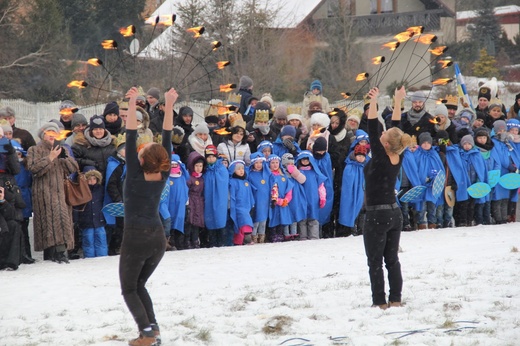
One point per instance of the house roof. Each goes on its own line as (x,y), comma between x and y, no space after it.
(499,11)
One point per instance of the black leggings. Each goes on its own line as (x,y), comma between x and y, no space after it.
(381,237)
(141,251)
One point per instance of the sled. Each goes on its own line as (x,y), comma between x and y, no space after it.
(479,190)
(415,194)
(438,184)
(114,209)
(510,181)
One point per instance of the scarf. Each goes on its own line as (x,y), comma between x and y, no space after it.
(101,142)
(115,127)
(414,117)
(341,135)
(198,144)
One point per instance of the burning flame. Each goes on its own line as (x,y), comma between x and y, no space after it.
(109,44)
(94,62)
(68,111)
(391,45)
(438,50)
(222,131)
(445,63)
(225,88)
(403,36)
(222,64)
(378,59)
(346,95)
(361,76)
(196,31)
(426,39)
(216,44)
(165,20)
(442,81)
(434,120)
(128,31)
(416,30)
(80,84)
(62,135)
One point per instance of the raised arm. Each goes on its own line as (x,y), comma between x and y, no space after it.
(399,95)
(131,120)
(372,110)
(170,97)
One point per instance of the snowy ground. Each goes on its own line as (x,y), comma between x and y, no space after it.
(461,288)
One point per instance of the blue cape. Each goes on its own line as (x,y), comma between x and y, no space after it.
(280,215)
(279,149)
(241,202)
(428,160)
(112,164)
(458,172)
(178,198)
(325,165)
(472,159)
(500,154)
(314,179)
(261,192)
(352,192)
(216,182)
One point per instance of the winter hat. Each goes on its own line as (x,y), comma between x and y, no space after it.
(257,156)
(139,114)
(263,145)
(185,111)
(210,150)
(49,126)
(97,122)
(418,96)
(6,127)
(425,137)
(245,82)
(111,108)
(441,110)
(94,173)
(360,150)
(288,130)
(67,107)
(320,119)
(154,92)
(481,116)
(7,112)
(466,115)
(267,98)
(482,131)
(467,139)
(484,92)
(315,104)
(280,112)
(201,128)
(353,117)
(235,164)
(177,134)
(273,157)
(78,119)
(320,144)
(57,122)
(294,116)
(499,125)
(316,85)
(18,147)
(140,98)
(495,104)
(287,159)
(510,124)
(441,134)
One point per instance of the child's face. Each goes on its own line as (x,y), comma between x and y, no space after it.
(8,134)
(495,112)
(239,170)
(478,123)
(413,148)
(360,158)
(481,139)
(513,130)
(274,165)
(467,146)
(258,165)
(426,145)
(294,122)
(211,159)
(305,161)
(225,163)
(363,142)
(266,152)
(198,167)
(92,180)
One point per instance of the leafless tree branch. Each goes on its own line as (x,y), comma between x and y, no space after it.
(27,60)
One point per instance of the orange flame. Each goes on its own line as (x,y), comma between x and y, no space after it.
(434,120)
(109,44)
(346,95)
(128,31)
(426,39)
(378,60)
(361,76)
(391,45)
(216,44)
(80,84)
(438,50)
(442,81)
(416,30)
(196,31)
(222,64)
(165,20)
(68,111)
(403,36)
(94,62)
(445,63)
(225,88)
(62,135)
(222,131)
(224,110)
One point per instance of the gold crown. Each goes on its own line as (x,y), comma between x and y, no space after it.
(123,104)
(413,143)
(120,139)
(261,115)
(294,110)
(234,99)
(215,108)
(143,139)
(235,119)
(452,100)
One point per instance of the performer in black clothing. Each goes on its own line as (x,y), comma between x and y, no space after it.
(144,243)
(384,220)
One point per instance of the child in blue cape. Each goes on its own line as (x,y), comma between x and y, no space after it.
(298,204)
(513,129)
(409,178)
(429,165)
(285,142)
(353,191)
(178,197)
(483,142)
(216,182)
(259,176)
(241,203)
(324,163)
(281,196)
(314,186)
(265,148)
(501,155)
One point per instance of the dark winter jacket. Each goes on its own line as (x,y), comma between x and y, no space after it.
(195,193)
(27,140)
(424,124)
(87,154)
(246,94)
(92,216)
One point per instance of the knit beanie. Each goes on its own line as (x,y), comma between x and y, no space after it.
(441,134)
(499,125)
(267,98)
(484,92)
(353,117)
(49,126)
(111,108)
(360,150)
(245,82)
(288,130)
(97,122)
(294,116)
(210,150)
(78,119)
(480,132)
(418,96)
(425,137)
(201,128)
(315,104)
(154,92)
(510,124)
(320,144)
(177,134)
(467,139)
(320,119)
(441,110)
(316,85)
(68,105)
(287,159)
(280,112)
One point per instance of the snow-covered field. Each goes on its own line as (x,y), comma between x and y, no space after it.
(461,287)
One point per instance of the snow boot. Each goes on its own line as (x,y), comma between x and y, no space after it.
(146,338)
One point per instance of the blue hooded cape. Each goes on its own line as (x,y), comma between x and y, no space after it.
(458,171)
(325,165)
(178,196)
(280,215)
(500,154)
(216,182)
(409,167)
(112,164)
(261,190)
(352,191)
(473,159)
(241,200)
(314,179)
(279,149)
(427,161)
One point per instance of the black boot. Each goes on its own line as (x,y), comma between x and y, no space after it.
(60,257)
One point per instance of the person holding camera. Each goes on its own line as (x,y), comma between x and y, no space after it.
(50,164)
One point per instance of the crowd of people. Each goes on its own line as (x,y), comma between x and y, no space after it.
(284,173)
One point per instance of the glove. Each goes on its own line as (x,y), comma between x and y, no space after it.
(63,153)
(322,192)
(288,143)
(290,169)
(9,149)
(322,202)
(282,202)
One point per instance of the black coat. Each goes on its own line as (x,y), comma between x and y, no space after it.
(92,216)
(89,155)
